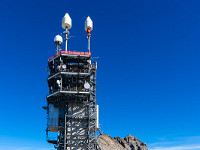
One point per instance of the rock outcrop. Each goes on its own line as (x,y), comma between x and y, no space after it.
(128,143)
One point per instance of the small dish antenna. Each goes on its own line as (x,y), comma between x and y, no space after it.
(86,85)
(64,67)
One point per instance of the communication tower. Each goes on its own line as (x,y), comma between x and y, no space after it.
(71,103)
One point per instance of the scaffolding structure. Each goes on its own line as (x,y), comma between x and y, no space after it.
(72,109)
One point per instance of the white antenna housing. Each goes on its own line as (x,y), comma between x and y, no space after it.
(66,22)
(58,40)
(88,24)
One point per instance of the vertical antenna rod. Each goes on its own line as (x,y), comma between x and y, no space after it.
(66,24)
(66,32)
(88,36)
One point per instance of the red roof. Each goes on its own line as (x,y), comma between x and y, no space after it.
(69,52)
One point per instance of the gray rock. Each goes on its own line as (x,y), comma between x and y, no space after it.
(128,143)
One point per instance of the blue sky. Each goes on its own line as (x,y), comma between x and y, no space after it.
(148,68)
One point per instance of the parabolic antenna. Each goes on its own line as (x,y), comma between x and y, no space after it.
(86,85)
(64,66)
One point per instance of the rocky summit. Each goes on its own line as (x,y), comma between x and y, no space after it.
(128,143)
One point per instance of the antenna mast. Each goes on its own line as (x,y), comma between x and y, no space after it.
(66,24)
(88,28)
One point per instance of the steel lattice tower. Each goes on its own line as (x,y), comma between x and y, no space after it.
(71,103)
